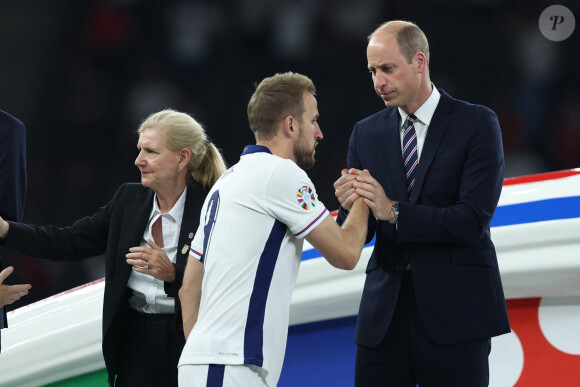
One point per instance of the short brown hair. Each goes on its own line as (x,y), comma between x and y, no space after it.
(275,98)
(410,38)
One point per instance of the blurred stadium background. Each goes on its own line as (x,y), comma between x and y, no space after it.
(82,75)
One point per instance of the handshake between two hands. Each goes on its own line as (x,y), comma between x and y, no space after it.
(354,183)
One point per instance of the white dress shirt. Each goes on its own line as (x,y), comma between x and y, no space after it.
(424,115)
(148,292)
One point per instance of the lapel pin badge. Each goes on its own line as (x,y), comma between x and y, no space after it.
(184,249)
(190,235)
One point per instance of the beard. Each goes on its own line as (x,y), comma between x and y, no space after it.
(303,155)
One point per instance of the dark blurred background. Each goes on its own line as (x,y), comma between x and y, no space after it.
(82,75)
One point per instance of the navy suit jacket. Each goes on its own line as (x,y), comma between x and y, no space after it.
(443,228)
(12,175)
(112,230)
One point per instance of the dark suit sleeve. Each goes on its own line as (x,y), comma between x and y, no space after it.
(353,161)
(12,175)
(86,238)
(172,288)
(480,184)
(12,167)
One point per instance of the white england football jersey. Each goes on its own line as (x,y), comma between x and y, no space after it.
(250,242)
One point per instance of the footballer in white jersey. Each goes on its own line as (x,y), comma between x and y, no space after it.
(244,259)
(250,242)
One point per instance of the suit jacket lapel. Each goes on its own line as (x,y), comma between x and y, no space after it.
(439,122)
(193,202)
(394,156)
(134,223)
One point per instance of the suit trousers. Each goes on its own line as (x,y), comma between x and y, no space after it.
(408,356)
(150,351)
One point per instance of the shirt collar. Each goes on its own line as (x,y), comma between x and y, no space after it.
(255,149)
(425,111)
(176,212)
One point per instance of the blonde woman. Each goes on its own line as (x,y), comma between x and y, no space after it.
(145,232)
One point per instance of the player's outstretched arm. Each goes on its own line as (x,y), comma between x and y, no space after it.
(342,246)
(190,294)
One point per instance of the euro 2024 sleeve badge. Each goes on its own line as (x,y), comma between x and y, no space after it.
(306,198)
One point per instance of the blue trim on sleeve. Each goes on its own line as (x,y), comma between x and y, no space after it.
(311,223)
(195,252)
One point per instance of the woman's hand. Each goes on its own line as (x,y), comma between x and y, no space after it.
(152,261)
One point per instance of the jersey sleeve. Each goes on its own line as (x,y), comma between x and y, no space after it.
(196,249)
(291,198)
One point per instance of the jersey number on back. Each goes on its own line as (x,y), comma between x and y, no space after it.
(209,223)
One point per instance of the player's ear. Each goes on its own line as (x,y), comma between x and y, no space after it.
(290,126)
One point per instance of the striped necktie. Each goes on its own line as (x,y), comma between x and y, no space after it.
(410,152)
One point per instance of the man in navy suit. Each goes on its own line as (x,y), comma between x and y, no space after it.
(12,195)
(433,296)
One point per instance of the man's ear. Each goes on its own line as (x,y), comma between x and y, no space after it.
(290,126)
(421,61)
